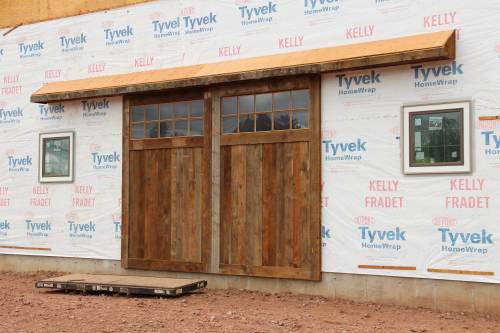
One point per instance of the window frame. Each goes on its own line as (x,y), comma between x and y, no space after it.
(41,157)
(189,118)
(408,111)
(272,113)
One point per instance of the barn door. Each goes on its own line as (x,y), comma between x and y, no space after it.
(270,180)
(167,187)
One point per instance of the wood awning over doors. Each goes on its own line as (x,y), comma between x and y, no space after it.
(411,49)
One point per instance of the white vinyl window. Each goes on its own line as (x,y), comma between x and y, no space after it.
(436,138)
(56,157)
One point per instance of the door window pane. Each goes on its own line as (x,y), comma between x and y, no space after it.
(138,131)
(181,109)
(300,99)
(264,103)
(196,127)
(151,112)
(137,113)
(229,105)
(166,111)
(197,108)
(282,100)
(300,120)
(246,104)
(166,129)
(152,130)
(246,123)
(264,122)
(230,125)
(281,121)
(181,128)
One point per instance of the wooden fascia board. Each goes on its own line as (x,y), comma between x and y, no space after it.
(443,51)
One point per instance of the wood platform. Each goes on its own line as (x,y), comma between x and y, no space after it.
(122,284)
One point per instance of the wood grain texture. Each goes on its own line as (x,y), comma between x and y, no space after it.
(125,184)
(270,194)
(396,51)
(265,208)
(168,201)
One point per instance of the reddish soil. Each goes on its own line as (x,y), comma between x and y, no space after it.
(27,309)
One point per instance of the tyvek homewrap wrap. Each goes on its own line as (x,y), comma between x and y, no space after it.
(372,214)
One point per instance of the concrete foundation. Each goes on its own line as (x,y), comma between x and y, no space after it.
(412,292)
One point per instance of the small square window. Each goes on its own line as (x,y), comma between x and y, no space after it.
(166,111)
(181,128)
(196,127)
(229,105)
(152,130)
(436,138)
(282,121)
(56,157)
(230,125)
(166,129)
(197,108)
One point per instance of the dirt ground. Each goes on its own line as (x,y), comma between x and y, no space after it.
(27,309)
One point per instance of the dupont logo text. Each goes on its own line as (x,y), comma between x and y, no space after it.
(344,151)
(461,242)
(358,84)
(439,76)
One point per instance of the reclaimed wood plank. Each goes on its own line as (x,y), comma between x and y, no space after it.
(254,205)
(269,209)
(136,249)
(125,200)
(163,235)
(226,206)
(403,50)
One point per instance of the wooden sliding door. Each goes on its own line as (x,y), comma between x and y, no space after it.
(224,180)
(168,187)
(270,179)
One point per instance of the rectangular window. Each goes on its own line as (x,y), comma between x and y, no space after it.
(283,110)
(56,157)
(436,138)
(184,118)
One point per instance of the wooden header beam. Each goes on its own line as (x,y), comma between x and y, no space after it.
(390,52)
